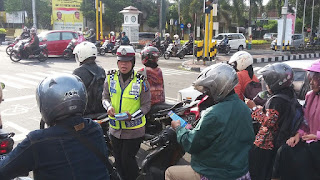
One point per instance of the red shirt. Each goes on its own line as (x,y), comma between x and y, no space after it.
(244,80)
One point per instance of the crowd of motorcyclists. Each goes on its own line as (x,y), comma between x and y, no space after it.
(223,145)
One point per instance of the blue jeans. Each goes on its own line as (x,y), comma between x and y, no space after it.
(54,153)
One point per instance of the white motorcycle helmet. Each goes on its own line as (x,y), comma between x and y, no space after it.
(176,36)
(166,34)
(112,33)
(241,60)
(84,51)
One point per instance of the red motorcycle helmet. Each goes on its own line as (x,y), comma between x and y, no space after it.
(149,55)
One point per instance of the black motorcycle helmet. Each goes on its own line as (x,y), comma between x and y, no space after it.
(61,96)
(150,56)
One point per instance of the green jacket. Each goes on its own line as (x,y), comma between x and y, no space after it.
(220,143)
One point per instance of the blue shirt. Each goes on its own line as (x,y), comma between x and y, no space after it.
(54,153)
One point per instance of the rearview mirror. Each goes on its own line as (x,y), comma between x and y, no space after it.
(2,85)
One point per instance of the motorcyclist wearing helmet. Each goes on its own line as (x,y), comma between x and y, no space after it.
(126,94)
(224,42)
(149,58)
(56,152)
(25,33)
(80,37)
(112,41)
(176,43)
(156,41)
(92,75)
(219,145)
(274,118)
(242,62)
(305,151)
(167,40)
(124,39)
(92,36)
(34,41)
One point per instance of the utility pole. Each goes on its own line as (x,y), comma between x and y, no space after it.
(284,15)
(304,16)
(160,19)
(312,19)
(179,11)
(295,16)
(34,14)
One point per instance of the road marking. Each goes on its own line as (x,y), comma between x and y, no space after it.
(23,131)
(30,76)
(12,84)
(19,79)
(19,98)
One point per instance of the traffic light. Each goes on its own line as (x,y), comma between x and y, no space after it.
(208,6)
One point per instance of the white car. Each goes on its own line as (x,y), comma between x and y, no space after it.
(236,40)
(300,82)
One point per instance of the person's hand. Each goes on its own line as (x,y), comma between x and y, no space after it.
(175,124)
(111,111)
(293,140)
(309,137)
(129,116)
(250,103)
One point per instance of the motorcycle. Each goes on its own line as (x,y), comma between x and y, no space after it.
(68,52)
(10,46)
(224,48)
(104,48)
(173,52)
(164,152)
(18,52)
(116,46)
(187,48)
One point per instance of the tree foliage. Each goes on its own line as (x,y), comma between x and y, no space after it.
(43,11)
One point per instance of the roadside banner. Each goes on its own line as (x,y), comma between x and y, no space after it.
(66,15)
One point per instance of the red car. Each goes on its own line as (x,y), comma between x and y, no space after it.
(57,40)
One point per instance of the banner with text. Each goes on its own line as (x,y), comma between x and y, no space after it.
(66,15)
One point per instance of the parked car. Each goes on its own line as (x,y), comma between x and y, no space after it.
(296,41)
(236,40)
(300,82)
(270,36)
(57,40)
(146,37)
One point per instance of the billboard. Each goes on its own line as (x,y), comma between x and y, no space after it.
(66,15)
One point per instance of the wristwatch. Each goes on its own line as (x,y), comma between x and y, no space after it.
(254,108)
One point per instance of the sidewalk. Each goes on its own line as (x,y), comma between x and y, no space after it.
(263,56)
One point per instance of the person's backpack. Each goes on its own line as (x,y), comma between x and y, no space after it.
(94,92)
(252,89)
(292,123)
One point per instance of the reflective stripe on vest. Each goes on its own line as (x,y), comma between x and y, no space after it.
(124,100)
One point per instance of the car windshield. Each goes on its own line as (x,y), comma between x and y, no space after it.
(219,37)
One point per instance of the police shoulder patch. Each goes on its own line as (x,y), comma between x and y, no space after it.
(140,75)
(110,72)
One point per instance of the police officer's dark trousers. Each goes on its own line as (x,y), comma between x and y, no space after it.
(125,151)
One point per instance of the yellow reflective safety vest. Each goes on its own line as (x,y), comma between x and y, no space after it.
(123,100)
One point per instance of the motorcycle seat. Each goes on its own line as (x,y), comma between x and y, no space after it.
(164,107)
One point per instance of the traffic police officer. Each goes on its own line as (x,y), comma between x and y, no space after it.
(127,99)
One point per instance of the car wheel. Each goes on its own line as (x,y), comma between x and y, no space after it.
(240,48)
(66,55)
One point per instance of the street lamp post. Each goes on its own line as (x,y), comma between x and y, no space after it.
(295,16)
(312,19)
(34,14)
(304,16)
(284,14)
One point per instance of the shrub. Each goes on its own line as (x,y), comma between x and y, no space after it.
(2,31)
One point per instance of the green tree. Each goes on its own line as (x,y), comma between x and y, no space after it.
(43,11)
